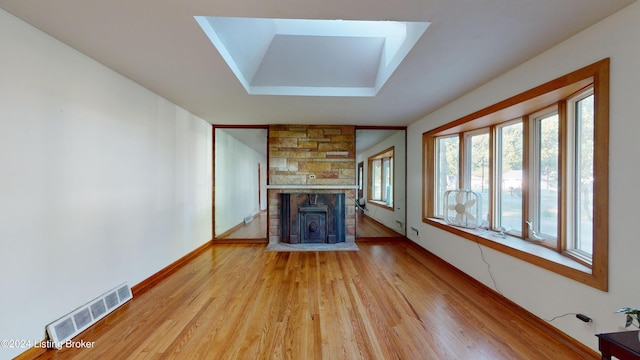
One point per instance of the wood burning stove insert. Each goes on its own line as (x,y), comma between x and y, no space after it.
(312,218)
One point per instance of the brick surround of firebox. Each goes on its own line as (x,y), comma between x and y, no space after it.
(311,159)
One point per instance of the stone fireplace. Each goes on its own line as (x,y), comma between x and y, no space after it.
(311,214)
(311,189)
(312,218)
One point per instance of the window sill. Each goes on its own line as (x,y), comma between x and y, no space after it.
(526,251)
(380,204)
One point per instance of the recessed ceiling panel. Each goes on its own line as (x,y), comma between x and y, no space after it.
(312,57)
(320,61)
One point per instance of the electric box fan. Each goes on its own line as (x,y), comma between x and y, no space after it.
(462,208)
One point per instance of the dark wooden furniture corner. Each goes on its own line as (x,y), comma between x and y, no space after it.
(623,345)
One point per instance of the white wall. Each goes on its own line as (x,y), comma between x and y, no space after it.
(101,181)
(389,217)
(236,181)
(544,293)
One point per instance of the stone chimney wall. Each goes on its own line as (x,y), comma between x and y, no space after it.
(320,156)
(312,155)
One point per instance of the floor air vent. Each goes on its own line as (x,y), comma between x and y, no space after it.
(77,321)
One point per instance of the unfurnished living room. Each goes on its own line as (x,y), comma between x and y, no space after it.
(319,180)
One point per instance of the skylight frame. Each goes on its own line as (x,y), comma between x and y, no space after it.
(244,56)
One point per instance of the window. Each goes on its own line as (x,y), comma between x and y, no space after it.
(581,142)
(477,169)
(539,162)
(544,191)
(360,178)
(447,153)
(380,189)
(509,158)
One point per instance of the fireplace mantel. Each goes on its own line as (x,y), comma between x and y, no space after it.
(312,187)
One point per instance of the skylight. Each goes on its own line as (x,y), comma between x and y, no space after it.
(311,57)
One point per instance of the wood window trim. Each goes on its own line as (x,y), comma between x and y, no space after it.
(525,103)
(377,156)
(380,204)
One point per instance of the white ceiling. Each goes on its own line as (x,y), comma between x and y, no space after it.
(160,45)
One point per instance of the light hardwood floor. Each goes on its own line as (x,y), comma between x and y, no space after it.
(390,300)
(256,229)
(366,227)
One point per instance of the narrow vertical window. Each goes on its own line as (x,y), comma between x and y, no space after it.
(380,188)
(360,177)
(376,185)
(477,170)
(584,149)
(543,214)
(509,174)
(447,168)
(387,181)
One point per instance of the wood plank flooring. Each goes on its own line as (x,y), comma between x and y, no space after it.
(390,300)
(366,227)
(256,229)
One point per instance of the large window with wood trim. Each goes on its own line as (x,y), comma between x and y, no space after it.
(380,189)
(539,164)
